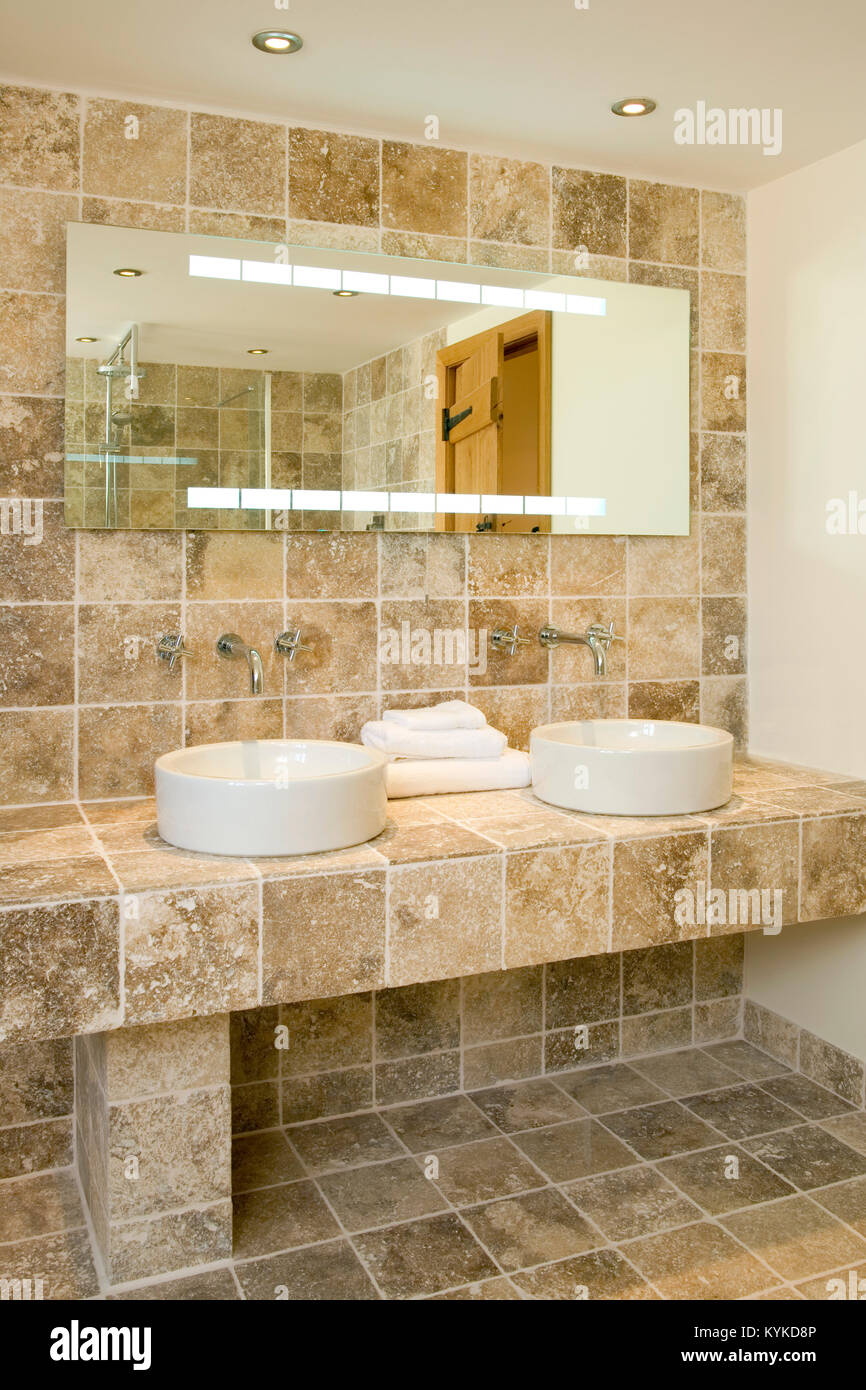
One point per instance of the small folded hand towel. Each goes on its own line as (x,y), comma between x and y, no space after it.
(450,714)
(401,742)
(428,776)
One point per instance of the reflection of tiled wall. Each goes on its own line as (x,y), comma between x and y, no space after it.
(426,1040)
(389,425)
(177,414)
(679,599)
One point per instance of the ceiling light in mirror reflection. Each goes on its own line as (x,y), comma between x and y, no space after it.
(403,286)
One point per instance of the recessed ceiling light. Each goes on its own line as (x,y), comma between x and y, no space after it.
(345,294)
(128,273)
(257,352)
(277,41)
(633,106)
(87,340)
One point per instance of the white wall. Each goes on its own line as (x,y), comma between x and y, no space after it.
(807,588)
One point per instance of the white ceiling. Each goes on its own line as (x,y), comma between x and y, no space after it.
(532,79)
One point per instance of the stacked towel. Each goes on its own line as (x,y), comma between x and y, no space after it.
(448,748)
(450,714)
(401,742)
(427,776)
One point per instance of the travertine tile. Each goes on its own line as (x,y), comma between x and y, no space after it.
(424,189)
(663,223)
(832,880)
(233,566)
(664,638)
(574,1150)
(33,238)
(192,951)
(180,1143)
(805,1096)
(678,700)
(719,1185)
(445,919)
(723,473)
(129,567)
(381,1193)
(658,978)
(832,1067)
(556,904)
(136,735)
(723,555)
(413,1078)
(324,1034)
(589,210)
(63,1261)
(583,565)
(333,178)
(530,1229)
(507,565)
(750,860)
(237,164)
(486,1063)
(263,1160)
(723,231)
(719,967)
(502,1004)
(31,447)
(35,1081)
(601,1089)
(527,1105)
(582,990)
(276,1218)
(647,876)
(699,1262)
(149,164)
(29,1148)
(603,1275)
(323,935)
(808,1156)
(59,970)
(741,1111)
(166,1057)
(439,1123)
(796,1238)
(40,142)
(509,200)
(772,1033)
(331,566)
(747,1061)
(654,1032)
(663,565)
(631,1202)
(422,1257)
(659,1131)
(330,1272)
(723,391)
(723,310)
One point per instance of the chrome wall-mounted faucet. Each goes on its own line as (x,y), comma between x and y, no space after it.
(288,643)
(170,648)
(232,646)
(507,639)
(597,637)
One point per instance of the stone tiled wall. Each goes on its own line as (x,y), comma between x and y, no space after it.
(85,711)
(335,1056)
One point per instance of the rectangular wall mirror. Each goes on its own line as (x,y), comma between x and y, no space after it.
(215,383)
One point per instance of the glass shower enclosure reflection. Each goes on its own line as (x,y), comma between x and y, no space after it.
(140,434)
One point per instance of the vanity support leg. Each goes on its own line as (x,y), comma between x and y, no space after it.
(153,1142)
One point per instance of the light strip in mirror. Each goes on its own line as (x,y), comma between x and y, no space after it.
(404,286)
(449,503)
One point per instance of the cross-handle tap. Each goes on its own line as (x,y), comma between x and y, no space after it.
(289,643)
(233,646)
(597,637)
(507,639)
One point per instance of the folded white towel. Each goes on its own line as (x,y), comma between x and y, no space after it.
(449,714)
(426,777)
(401,742)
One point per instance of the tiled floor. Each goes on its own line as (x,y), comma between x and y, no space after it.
(710,1173)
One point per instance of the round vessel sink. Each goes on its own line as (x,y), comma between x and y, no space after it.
(632,767)
(270,796)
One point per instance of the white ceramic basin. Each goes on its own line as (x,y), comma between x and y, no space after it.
(632,767)
(270,796)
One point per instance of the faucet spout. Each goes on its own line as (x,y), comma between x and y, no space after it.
(232,646)
(596,637)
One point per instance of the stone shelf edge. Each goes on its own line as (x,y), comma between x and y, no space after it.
(105,926)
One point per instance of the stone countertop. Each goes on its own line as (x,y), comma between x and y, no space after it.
(105,925)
